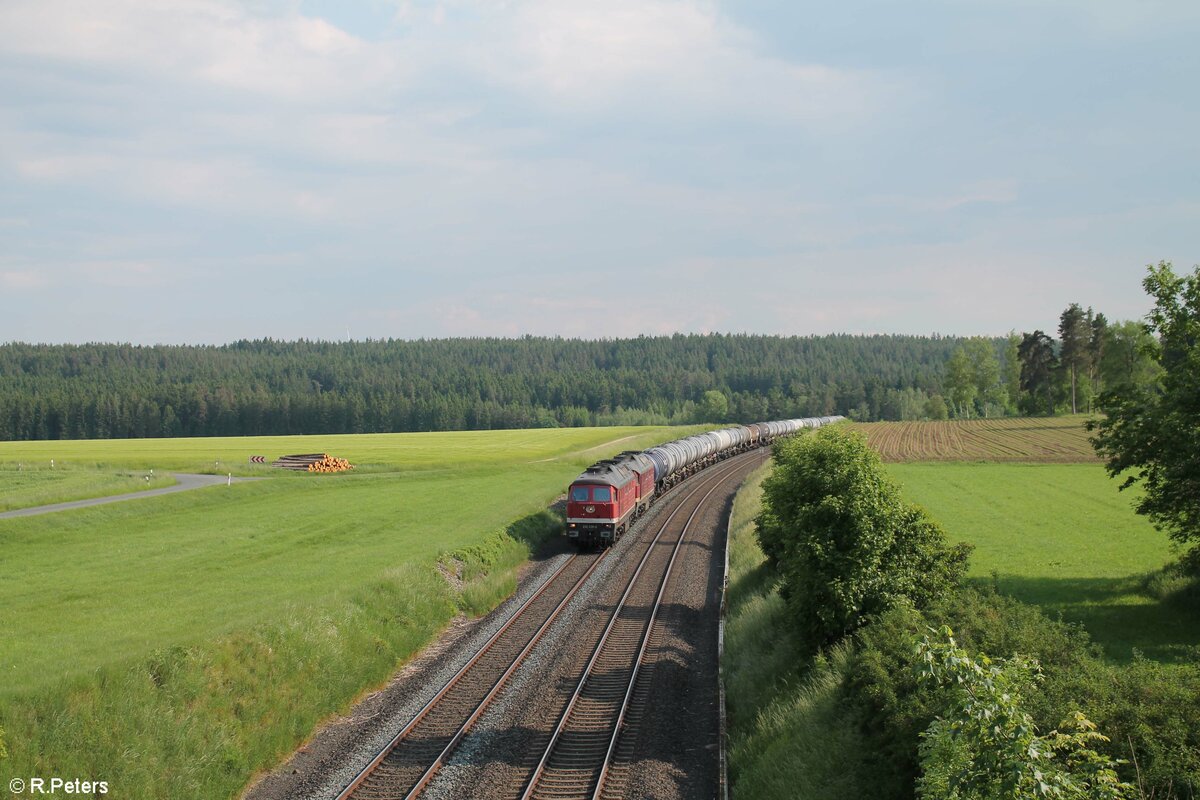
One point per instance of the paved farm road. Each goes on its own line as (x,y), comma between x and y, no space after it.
(186,481)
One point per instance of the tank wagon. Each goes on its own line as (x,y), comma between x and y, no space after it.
(604,501)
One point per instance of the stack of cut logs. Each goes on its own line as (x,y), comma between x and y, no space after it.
(313,462)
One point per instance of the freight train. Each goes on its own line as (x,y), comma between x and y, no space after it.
(604,501)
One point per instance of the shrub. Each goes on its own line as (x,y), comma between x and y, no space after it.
(987,747)
(844,542)
(1148,709)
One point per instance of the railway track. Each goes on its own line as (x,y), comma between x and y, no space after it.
(583,750)
(413,757)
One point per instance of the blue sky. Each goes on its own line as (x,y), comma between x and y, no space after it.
(204,171)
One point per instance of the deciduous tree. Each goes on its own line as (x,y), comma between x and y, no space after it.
(1152,435)
(1129,357)
(845,543)
(960,382)
(987,748)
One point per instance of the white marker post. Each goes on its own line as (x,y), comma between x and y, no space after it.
(230,481)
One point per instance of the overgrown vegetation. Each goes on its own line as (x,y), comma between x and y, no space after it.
(849,722)
(486,571)
(988,746)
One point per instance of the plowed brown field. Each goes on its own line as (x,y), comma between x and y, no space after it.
(1059,440)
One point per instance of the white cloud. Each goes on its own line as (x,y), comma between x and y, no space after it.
(288,58)
(23,279)
(676,57)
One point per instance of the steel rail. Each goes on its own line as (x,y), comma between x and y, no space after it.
(458,676)
(437,764)
(641,654)
(367,771)
(532,785)
(487,700)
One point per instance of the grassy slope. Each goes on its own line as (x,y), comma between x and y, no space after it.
(24,486)
(1061,537)
(178,644)
(787,736)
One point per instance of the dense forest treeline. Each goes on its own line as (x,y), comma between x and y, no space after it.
(275,387)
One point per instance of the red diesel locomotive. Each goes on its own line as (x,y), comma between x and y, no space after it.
(605,500)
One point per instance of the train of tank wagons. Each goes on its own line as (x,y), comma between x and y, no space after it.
(604,501)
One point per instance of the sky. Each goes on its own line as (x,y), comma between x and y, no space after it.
(202,171)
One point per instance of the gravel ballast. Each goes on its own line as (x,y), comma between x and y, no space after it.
(672,749)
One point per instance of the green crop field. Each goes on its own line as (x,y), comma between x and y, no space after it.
(1060,536)
(208,631)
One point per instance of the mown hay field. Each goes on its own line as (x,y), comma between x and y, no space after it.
(1061,440)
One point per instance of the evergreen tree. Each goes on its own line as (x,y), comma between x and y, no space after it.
(1075,335)
(1038,367)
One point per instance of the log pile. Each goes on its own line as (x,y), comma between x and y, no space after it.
(313,462)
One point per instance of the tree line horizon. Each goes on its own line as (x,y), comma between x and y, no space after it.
(270,387)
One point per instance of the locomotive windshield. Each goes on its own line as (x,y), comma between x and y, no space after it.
(601,493)
(579,494)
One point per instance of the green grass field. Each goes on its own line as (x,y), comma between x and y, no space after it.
(23,486)
(175,645)
(1060,536)
(368,451)
(116,581)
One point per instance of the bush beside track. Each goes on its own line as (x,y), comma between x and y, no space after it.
(847,722)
